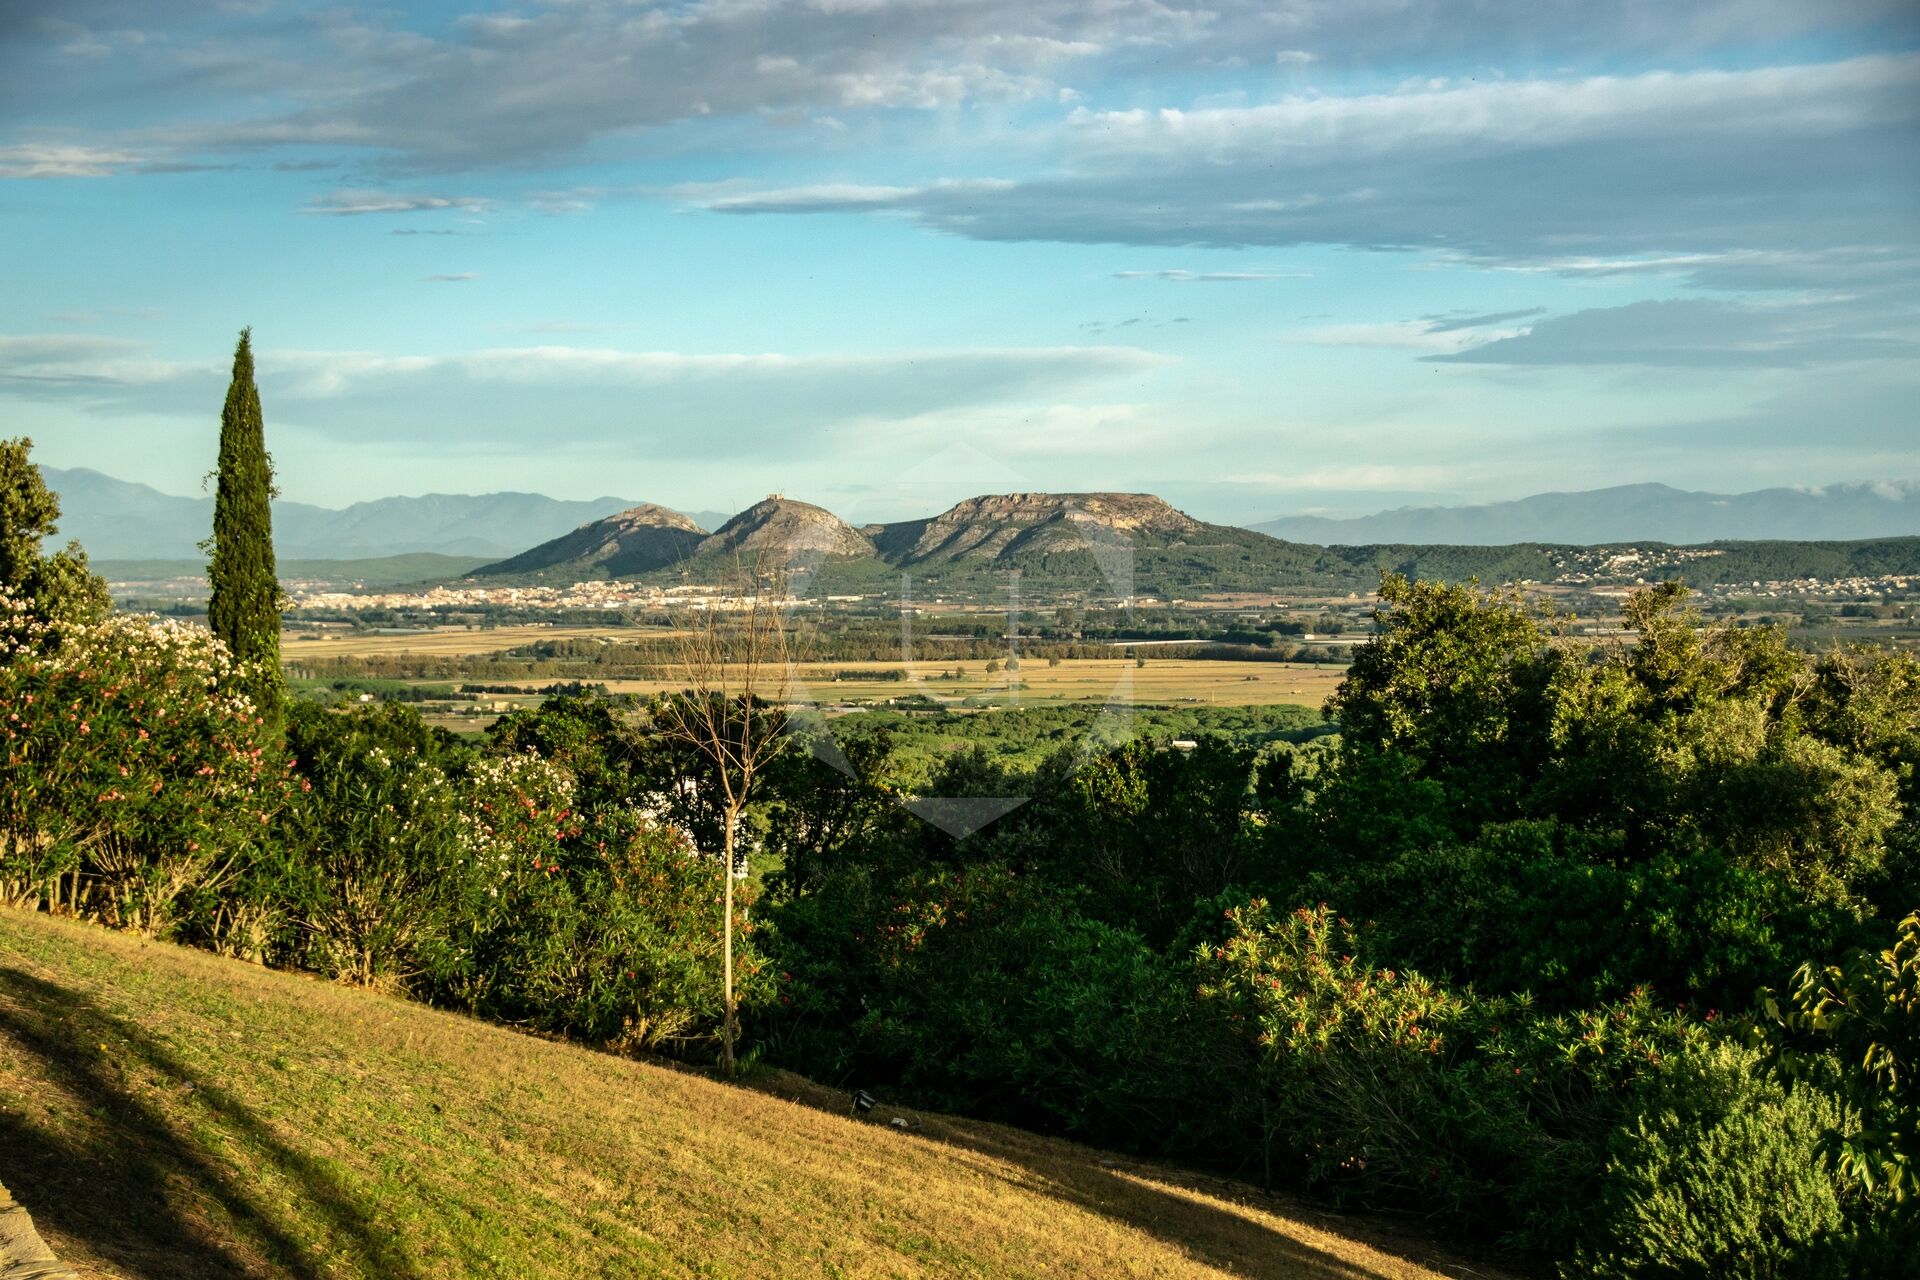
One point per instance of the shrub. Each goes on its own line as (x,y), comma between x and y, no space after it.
(1721,1176)
(133,763)
(1350,1060)
(1867,1010)
(608,933)
(383,836)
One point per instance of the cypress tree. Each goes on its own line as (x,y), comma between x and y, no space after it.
(245,609)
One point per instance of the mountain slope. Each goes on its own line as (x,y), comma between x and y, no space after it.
(120,520)
(165,1113)
(1008,527)
(785,528)
(1633,513)
(637,540)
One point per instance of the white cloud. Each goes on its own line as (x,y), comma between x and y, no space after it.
(665,402)
(1702,171)
(350,203)
(1815,99)
(62,160)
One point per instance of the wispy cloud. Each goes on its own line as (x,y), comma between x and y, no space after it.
(1451,322)
(352,203)
(762,401)
(1705,333)
(1180,276)
(59,160)
(456,278)
(1770,159)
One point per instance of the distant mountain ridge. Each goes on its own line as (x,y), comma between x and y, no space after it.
(1059,538)
(122,520)
(1631,513)
(1128,545)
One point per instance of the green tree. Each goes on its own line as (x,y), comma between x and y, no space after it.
(245,609)
(1866,1010)
(59,588)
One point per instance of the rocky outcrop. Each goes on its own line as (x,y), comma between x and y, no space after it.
(1009,525)
(637,540)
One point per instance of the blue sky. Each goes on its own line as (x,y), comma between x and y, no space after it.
(1262,258)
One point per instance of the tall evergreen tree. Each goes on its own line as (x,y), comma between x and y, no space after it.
(245,609)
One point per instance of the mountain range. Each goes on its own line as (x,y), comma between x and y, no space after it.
(1629,513)
(1061,535)
(1060,541)
(122,520)
(119,519)
(1120,545)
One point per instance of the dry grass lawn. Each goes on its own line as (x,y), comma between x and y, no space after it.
(164,1113)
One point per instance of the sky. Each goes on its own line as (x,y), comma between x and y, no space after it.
(1261,258)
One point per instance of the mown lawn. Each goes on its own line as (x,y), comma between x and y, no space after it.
(165,1113)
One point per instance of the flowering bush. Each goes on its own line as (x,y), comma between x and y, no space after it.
(606,928)
(132,766)
(1350,1057)
(382,833)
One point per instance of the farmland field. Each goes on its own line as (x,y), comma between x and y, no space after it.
(308,644)
(1172,680)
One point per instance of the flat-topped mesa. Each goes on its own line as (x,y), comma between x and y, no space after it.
(998,524)
(636,540)
(783,527)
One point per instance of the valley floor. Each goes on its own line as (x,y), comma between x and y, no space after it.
(166,1113)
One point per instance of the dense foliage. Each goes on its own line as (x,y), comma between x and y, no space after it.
(53,588)
(1590,949)
(1492,953)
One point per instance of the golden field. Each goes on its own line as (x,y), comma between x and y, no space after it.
(1163,680)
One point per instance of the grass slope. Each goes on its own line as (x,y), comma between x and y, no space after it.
(165,1113)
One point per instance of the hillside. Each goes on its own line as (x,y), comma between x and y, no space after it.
(165,1113)
(1630,513)
(786,529)
(1008,528)
(637,540)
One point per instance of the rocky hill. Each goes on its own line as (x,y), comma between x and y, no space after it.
(1007,527)
(787,530)
(638,540)
(1122,545)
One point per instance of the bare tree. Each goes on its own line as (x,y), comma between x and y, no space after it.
(736,657)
